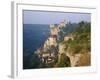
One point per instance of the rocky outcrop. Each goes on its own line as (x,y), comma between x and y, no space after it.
(80,59)
(76,59)
(73,47)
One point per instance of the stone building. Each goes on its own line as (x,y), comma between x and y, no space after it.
(66,38)
(51,41)
(54,29)
(62,24)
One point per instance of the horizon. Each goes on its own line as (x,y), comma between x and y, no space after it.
(54,23)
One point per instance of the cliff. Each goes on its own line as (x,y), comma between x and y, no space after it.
(67,46)
(77,46)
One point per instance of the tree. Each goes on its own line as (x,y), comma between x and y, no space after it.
(64,61)
(35,61)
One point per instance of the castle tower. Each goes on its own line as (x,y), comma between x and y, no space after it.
(62,24)
(53,29)
(51,26)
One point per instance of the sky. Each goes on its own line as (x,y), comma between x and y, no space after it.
(47,17)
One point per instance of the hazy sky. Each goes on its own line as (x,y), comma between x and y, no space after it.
(43,17)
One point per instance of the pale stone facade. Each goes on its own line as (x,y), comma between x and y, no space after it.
(52,40)
(45,54)
(66,38)
(61,48)
(54,31)
(52,25)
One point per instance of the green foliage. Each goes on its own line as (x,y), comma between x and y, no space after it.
(35,61)
(52,64)
(64,61)
(81,42)
(52,49)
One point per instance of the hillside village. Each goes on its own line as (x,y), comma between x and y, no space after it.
(58,50)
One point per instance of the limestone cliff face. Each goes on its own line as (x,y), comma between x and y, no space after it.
(54,30)
(51,41)
(62,48)
(79,59)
